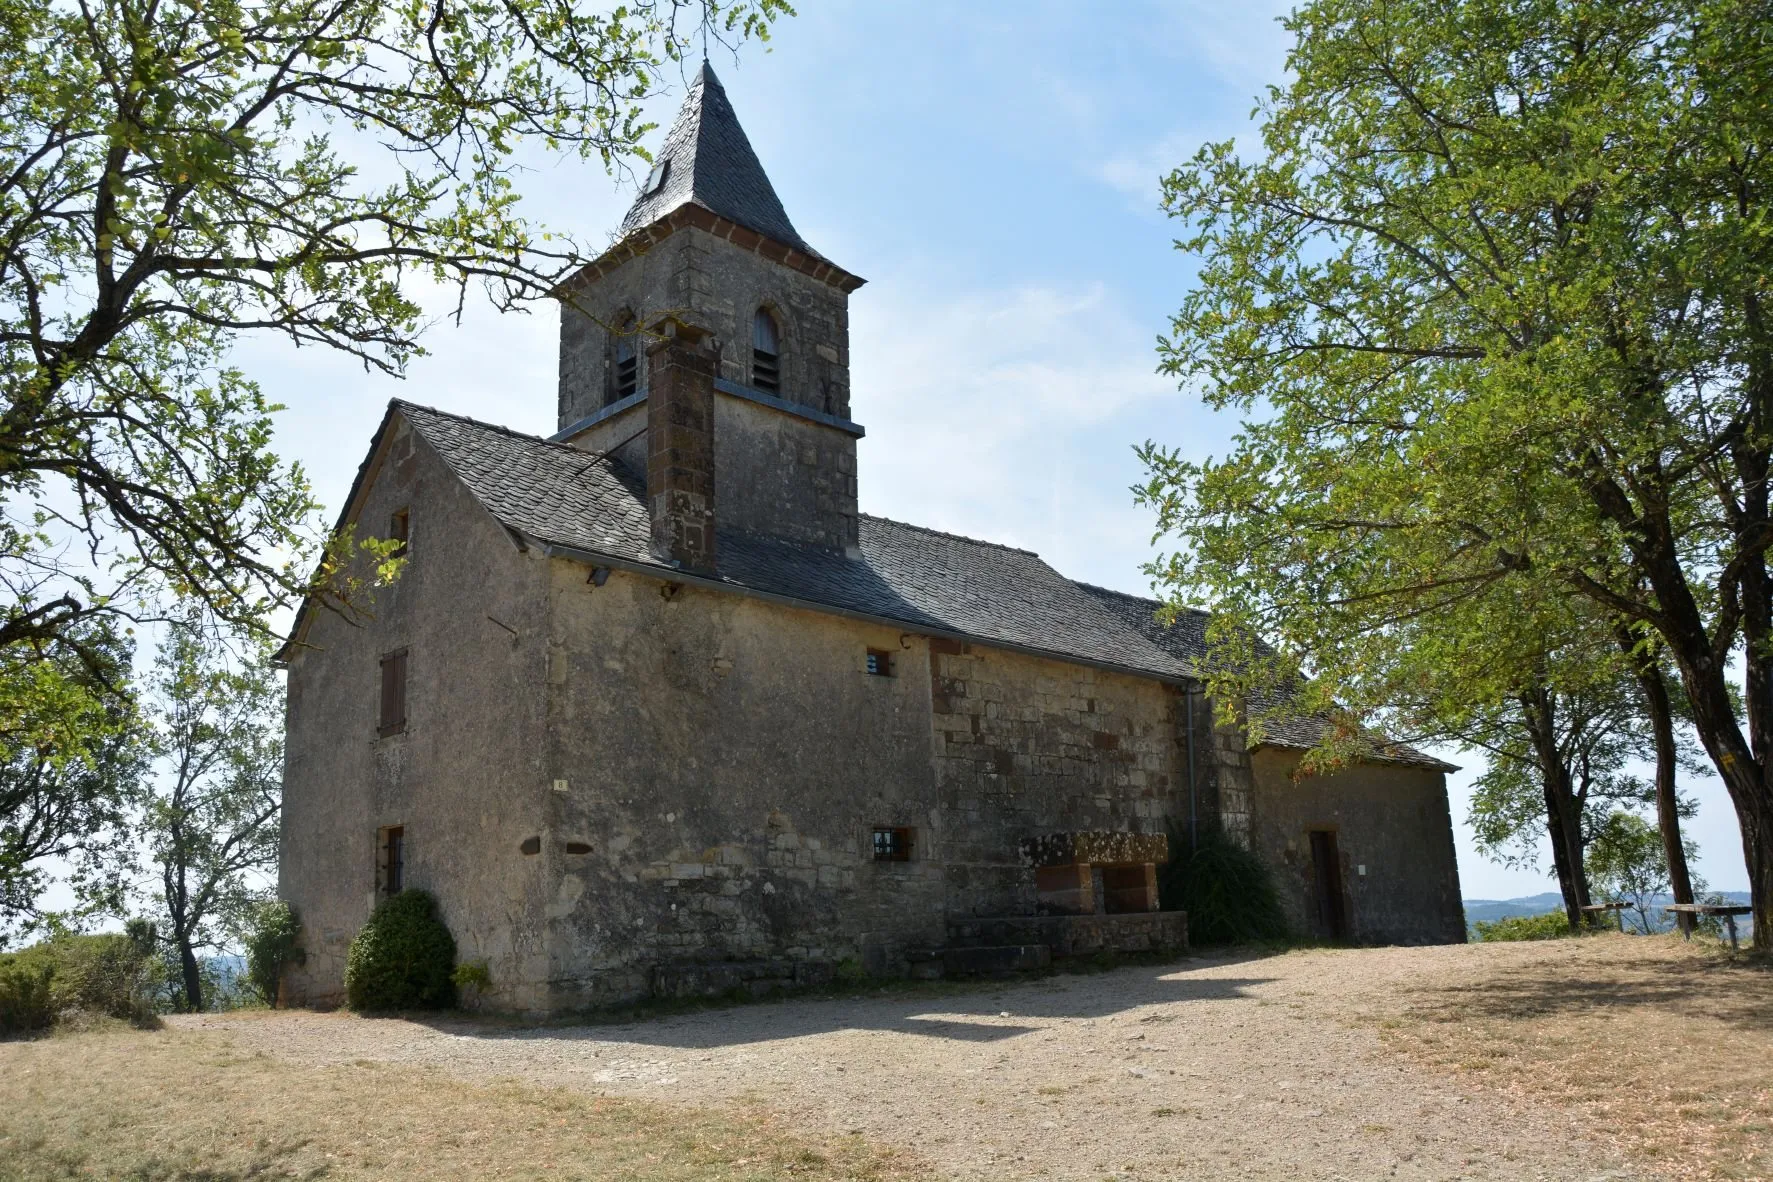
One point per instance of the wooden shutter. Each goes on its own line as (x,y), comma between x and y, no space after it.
(393,717)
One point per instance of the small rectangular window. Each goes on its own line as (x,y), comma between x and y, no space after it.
(892,844)
(400,530)
(393,715)
(880,662)
(391,860)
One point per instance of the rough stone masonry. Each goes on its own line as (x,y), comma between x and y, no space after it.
(654,709)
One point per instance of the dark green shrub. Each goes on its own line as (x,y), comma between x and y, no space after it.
(403,959)
(107,974)
(1225,889)
(273,943)
(1552,925)
(116,976)
(26,1001)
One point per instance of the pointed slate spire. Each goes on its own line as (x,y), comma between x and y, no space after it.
(708,161)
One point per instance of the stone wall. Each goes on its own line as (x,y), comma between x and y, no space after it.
(465,778)
(1394,837)
(718,286)
(1025,746)
(782,475)
(726,761)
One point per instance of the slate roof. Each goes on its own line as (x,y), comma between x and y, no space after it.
(708,161)
(556,495)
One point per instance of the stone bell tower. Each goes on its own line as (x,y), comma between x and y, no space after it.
(708,254)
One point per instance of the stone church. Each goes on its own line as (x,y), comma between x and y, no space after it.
(654,709)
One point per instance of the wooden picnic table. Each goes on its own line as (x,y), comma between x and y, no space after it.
(1618,907)
(1728,910)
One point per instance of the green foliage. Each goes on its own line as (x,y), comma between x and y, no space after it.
(1226,890)
(472,979)
(1490,296)
(1629,865)
(173,176)
(1553,925)
(210,821)
(27,1001)
(114,975)
(403,959)
(72,751)
(273,943)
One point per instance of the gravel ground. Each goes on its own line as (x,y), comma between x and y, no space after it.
(1267,1067)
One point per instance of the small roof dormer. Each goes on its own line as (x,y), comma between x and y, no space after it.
(708,161)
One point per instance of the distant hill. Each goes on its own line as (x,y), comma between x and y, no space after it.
(1491,910)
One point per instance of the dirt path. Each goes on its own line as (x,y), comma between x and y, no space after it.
(1253,1068)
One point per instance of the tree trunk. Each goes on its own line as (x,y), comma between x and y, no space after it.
(1642,652)
(1714,717)
(1563,815)
(193,977)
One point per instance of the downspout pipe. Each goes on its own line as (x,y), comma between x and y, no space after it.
(1193,795)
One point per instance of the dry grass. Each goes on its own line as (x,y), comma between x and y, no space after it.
(1664,1047)
(190,1105)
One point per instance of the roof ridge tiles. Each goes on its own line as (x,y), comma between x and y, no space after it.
(942,533)
(1088,586)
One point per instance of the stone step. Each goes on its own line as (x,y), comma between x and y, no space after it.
(1075,935)
(995,960)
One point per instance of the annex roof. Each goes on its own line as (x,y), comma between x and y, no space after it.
(707,160)
(591,507)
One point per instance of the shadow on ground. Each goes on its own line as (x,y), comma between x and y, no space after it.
(1736,991)
(983,1012)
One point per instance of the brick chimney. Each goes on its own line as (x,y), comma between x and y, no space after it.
(681,366)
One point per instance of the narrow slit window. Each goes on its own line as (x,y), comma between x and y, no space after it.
(880,663)
(892,844)
(400,530)
(766,349)
(391,870)
(393,713)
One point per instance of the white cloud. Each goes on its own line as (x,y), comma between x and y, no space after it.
(1009,415)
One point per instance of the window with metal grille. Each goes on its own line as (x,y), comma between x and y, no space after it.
(393,715)
(766,360)
(880,662)
(391,862)
(400,530)
(892,844)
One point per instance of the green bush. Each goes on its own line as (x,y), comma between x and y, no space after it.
(1227,892)
(403,959)
(473,980)
(273,943)
(117,976)
(26,1001)
(1552,925)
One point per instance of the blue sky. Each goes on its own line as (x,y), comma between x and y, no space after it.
(992,170)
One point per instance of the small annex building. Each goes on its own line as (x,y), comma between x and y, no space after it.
(653,709)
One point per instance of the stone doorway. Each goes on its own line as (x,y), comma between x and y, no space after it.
(1326,871)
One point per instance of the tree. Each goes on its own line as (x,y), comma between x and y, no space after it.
(1495,296)
(209,821)
(1630,866)
(1645,656)
(71,753)
(176,173)
(1556,766)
